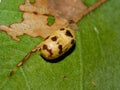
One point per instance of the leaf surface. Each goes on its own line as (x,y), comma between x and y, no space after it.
(93,64)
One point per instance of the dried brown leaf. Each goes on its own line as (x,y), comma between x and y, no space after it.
(35,17)
(68,9)
(34,21)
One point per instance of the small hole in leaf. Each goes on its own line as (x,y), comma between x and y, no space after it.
(32,1)
(51,20)
(88,3)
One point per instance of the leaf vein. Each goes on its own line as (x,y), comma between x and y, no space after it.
(26,79)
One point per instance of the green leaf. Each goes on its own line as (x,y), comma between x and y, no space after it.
(93,64)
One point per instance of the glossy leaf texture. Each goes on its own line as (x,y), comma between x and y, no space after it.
(92,65)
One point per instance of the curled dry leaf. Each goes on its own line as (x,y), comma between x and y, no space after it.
(35,17)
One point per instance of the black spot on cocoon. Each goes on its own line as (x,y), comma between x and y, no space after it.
(45,47)
(68,33)
(54,38)
(60,49)
(72,41)
(62,29)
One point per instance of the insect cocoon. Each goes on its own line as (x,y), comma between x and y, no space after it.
(57,43)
